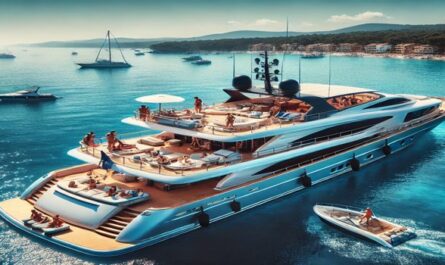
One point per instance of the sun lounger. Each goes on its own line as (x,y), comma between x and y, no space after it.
(131,151)
(55,230)
(222,156)
(193,164)
(153,141)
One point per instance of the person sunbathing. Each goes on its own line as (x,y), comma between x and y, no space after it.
(112,191)
(86,139)
(56,222)
(72,184)
(35,215)
(92,184)
(119,145)
(111,140)
(124,194)
(91,142)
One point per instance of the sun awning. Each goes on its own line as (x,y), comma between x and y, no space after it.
(159,99)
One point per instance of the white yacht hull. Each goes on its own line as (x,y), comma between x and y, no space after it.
(155,225)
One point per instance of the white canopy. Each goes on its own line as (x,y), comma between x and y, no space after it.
(160,98)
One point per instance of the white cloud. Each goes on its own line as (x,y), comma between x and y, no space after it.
(365,16)
(306,24)
(264,22)
(234,23)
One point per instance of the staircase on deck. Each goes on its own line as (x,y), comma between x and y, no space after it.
(38,193)
(117,223)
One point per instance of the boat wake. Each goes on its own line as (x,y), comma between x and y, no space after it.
(428,244)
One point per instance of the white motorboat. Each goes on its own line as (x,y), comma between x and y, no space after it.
(377,229)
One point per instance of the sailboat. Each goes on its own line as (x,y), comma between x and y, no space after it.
(106,63)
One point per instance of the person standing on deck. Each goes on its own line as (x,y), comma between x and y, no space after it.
(198,105)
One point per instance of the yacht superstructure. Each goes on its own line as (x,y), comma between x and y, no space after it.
(210,162)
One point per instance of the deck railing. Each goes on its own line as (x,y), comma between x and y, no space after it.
(215,129)
(126,161)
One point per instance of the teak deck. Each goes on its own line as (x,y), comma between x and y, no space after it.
(19,209)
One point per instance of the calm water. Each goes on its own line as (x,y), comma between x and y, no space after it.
(408,188)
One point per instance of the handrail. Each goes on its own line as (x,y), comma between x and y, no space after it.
(306,117)
(377,135)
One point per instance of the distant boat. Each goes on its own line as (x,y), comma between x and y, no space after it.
(312,55)
(202,62)
(30,94)
(377,229)
(104,64)
(6,56)
(74,53)
(192,58)
(139,53)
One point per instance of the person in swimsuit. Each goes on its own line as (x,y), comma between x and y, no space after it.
(56,222)
(111,140)
(198,105)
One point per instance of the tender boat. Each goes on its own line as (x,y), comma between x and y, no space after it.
(6,56)
(202,62)
(31,94)
(106,63)
(74,53)
(191,168)
(139,53)
(192,58)
(377,229)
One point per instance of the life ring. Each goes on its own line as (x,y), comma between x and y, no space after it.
(203,219)
(355,164)
(305,180)
(235,206)
(386,149)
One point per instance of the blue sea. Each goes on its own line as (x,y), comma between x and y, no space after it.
(407,188)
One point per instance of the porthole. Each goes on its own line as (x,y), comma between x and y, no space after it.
(340,167)
(403,142)
(369,156)
(333,169)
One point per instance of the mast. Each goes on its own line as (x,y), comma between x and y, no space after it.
(329,77)
(233,74)
(285,50)
(109,46)
(267,84)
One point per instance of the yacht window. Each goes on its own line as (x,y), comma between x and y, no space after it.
(419,113)
(340,167)
(389,102)
(340,130)
(370,156)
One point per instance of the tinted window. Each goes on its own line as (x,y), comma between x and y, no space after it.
(419,113)
(337,131)
(389,102)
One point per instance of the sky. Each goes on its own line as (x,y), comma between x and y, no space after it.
(31,21)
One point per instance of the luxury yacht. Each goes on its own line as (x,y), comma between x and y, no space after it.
(6,56)
(211,162)
(30,94)
(108,63)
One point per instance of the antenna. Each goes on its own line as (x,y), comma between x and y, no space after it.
(233,65)
(109,46)
(299,69)
(329,77)
(251,65)
(284,53)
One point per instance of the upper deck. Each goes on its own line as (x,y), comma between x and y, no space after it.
(255,113)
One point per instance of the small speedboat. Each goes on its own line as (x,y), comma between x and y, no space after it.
(192,58)
(74,53)
(139,53)
(6,56)
(381,231)
(31,94)
(202,62)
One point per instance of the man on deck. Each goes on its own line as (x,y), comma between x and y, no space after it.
(198,105)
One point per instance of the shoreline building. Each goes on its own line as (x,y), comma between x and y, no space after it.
(378,48)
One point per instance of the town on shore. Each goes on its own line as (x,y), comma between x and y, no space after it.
(401,51)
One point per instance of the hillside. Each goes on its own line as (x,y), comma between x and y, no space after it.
(433,34)
(242,34)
